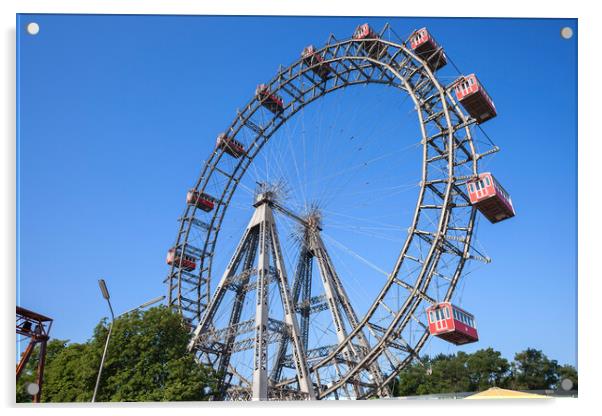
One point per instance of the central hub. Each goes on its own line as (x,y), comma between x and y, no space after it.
(314,220)
(270,192)
(266,197)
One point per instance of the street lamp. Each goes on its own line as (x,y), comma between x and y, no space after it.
(105,294)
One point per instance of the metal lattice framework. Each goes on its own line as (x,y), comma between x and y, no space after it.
(438,242)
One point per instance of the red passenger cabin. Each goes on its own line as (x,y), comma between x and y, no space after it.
(268,99)
(200,200)
(490,198)
(370,43)
(473,97)
(233,147)
(174,256)
(452,324)
(311,58)
(427,48)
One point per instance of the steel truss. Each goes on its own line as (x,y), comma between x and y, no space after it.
(437,246)
(217,345)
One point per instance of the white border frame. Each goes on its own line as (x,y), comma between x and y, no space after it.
(589,287)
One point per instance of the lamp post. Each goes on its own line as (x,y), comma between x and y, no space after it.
(105,294)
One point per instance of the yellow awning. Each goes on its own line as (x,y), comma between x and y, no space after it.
(497,393)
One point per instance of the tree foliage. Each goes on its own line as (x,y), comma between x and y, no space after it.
(53,348)
(530,370)
(147,360)
(487,368)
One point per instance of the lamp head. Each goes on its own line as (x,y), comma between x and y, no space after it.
(103,289)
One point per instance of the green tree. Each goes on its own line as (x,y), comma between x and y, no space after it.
(440,374)
(410,380)
(570,372)
(53,348)
(487,368)
(449,373)
(533,370)
(70,375)
(147,360)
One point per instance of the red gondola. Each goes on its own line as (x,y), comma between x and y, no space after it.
(490,198)
(233,147)
(370,43)
(426,47)
(474,98)
(268,99)
(173,258)
(451,324)
(200,200)
(311,58)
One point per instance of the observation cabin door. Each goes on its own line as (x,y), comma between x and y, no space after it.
(481,188)
(442,314)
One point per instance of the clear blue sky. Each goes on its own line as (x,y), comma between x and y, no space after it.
(117,113)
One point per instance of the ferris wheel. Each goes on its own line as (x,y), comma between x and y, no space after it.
(266,291)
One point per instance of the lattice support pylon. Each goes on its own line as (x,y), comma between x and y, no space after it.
(301,296)
(261,237)
(342,313)
(332,283)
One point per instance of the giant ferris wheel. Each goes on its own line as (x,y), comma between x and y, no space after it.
(258,268)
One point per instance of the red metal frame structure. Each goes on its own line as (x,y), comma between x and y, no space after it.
(37,328)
